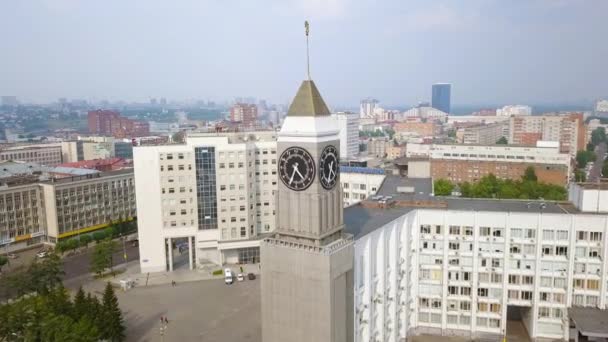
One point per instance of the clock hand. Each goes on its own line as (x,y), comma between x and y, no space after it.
(298,171)
(295,168)
(331,172)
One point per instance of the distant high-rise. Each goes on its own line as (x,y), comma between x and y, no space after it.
(245,113)
(441,96)
(367,108)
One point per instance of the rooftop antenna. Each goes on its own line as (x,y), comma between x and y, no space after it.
(307,27)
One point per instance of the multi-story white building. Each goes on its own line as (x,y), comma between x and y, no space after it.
(461,266)
(41,154)
(367,107)
(424,112)
(349,134)
(485,134)
(215,195)
(359,183)
(514,110)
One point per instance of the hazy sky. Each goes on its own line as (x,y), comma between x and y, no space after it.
(492,51)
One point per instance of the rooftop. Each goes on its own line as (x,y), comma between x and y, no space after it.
(591,322)
(308,101)
(364,170)
(11,172)
(399,195)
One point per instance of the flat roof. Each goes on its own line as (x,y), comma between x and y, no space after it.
(361,219)
(591,322)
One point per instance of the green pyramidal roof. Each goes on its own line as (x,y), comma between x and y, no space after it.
(308,101)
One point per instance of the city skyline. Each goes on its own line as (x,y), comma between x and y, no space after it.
(528,52)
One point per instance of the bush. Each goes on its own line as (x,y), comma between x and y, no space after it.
(217,272)
(99,236)
(85,240)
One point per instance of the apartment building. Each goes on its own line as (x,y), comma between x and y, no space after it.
(108,122)
(244,113)
(41,204)
(569,130)
(214,194)
(40,154)
(82,204)
(422,129)
(377,147)
(462,266)
(469,163)
(359,183)
(483,134)
(348,124)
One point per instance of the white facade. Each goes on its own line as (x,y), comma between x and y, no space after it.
(367,107)
(220,207)
(601,106)
(455,272)
(348,123)
(503,153)
(514,110)
(360,183)
(424,113)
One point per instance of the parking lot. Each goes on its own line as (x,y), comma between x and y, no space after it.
(207,310)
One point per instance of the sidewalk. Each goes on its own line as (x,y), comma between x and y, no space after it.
(132,272)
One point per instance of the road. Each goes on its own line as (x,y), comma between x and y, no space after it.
(78,265)
(596,171)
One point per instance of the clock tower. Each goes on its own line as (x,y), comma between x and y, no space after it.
(307,262)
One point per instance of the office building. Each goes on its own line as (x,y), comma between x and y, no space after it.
(367,108)
(348,124)
(601,107)
(569,130)
(82,204)
(111,123)
(215,193)
(417,129)
(244,113)
(50,154)
(484,134)
(426,113)
(441,93)
(514,110)
(359,183)
(378,147)
(463,267)
(307,263)
(469,163)
(41,204)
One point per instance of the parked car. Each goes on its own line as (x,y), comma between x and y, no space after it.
(228,279)
(251,276)
(42,255)
(240,277)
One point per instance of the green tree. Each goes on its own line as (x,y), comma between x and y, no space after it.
(580,176)
(590,147)
(101,259)
(598,135)
(113,328)
(81,306)
(584,157)
(443,187)
(72,244)
(86,330)
(502,141)
(46,274)
(605,169)
(3,261)
(85,240)
(98,236)
(530,174)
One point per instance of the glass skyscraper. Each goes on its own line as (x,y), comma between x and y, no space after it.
(441,96)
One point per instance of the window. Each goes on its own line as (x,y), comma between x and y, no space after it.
(482,292)
(454,230)
(548,234)
(484,231)
(596,236)
(243,231)
(526,295)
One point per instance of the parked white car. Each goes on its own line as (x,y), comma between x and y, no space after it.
(240,277)
(228,279)
(42,254)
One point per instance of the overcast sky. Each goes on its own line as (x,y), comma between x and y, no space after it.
(493,52)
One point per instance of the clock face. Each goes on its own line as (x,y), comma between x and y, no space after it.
(329,167)
(296,168)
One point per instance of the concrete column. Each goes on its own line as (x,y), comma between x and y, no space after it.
(190,251)
(170,249)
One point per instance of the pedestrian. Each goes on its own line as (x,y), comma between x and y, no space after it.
(162,319)
(173,283)
(166,320)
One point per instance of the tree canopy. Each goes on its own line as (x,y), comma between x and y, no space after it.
(502,141)
(492,187)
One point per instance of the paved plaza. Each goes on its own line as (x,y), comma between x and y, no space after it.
(206,310)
